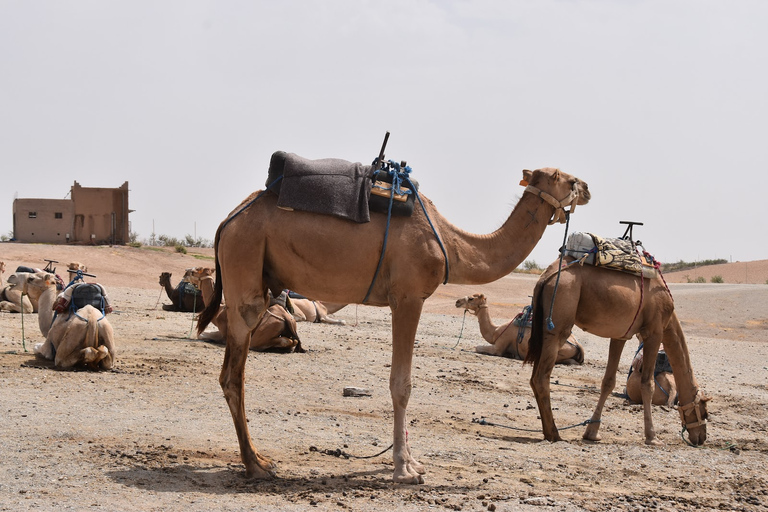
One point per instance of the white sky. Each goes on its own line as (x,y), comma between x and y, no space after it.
(661,106)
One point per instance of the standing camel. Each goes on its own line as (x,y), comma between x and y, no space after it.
(276,331)
(261,247)
(507,340)
(616,305)
(185,296)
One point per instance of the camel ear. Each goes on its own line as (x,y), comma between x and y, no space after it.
(526,178)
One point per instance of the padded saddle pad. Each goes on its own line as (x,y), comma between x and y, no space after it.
(87,294)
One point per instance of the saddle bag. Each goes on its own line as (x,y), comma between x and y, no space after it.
(85,294)
(381,191)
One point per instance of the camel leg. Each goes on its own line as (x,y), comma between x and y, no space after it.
(650,350)
(232,381)
(540,377)
(405,321)
(609,382)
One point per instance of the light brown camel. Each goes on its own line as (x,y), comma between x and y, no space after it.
(665,389)
(261,247)
(14,299)
(616,305)
(314,311)
(2,271)
(505,339)
(83,338)
(276,331)
(72,269)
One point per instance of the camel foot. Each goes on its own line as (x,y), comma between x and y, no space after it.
(654,442)
(261,469)
(409,475)
(592,436)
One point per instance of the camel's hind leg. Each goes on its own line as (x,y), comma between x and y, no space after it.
(540,378)
(405,321)
(242,320)
(609,382)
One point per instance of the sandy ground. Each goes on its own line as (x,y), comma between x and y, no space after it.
(155,434)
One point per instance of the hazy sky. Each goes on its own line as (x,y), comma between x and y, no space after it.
(661,106)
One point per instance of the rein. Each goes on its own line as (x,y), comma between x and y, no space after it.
(560,214)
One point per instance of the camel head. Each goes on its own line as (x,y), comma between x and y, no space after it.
(472,303)
(165,278)
(77,266)
(694,417)
(40,280)
(197,274)
(557,188)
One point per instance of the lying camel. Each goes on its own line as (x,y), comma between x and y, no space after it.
(507,340)
(14,299)
(276,331)
(185,297)
(73,268)
(314,311)
(665,391)
(261,247)
(2,271)
(615,305)
(79,338)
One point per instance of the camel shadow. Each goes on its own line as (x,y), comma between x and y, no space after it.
(232,480)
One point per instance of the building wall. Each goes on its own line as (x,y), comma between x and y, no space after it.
(46,221)
(92,216)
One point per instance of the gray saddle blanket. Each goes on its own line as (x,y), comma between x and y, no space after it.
(87,294)
(329,186)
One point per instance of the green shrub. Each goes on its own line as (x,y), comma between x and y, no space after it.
(699,279)
(717,279)
(180,248)
(135,244)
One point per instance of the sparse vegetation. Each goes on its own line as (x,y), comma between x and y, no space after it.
(687,265)
(699,279)
(529,267)
(180,248)
(171,241)
(717,279)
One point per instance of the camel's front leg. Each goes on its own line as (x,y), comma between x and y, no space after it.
(540,377)
(405,321)
(650,351)
(232,381)
(609,382)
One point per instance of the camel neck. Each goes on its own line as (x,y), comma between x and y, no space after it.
(479,259)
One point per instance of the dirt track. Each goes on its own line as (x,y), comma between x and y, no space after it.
(155,433)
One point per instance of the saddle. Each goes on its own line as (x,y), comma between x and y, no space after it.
(187,287)
(611,253)
(84,294)
(337,187)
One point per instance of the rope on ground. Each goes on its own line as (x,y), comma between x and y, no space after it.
(464,318)
(23,343)
(483,421)
(341,453)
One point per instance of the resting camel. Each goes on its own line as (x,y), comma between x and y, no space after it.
(261,248)
(506,340)
(616,305)
(73,267)
(184,297)
(14,299)
(84,337)
(314,311)
(665,390)
(276,331)
(2,271)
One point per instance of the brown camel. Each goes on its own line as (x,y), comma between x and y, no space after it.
(185,297)
(276,331)
(261,247)
(72,269)
(14,298)
(665,390)
(506,340)
(314,311)
(83,338)
(616,305)
(2,271)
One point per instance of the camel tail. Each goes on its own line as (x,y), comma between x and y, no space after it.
(92,330)
(536,341)
(212,309)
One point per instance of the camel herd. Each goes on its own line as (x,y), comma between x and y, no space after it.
(262,250)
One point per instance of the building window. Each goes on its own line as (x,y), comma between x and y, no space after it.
(57,215)
(32,215)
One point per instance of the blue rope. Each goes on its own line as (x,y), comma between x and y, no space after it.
(399,175)
(550,324)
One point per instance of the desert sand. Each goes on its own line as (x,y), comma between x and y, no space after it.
(155,434)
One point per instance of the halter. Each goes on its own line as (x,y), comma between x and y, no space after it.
(560,212)
(683,410)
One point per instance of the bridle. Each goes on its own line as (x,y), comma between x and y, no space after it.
(684,409)
(560,212)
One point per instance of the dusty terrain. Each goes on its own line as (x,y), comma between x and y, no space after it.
(155,433)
